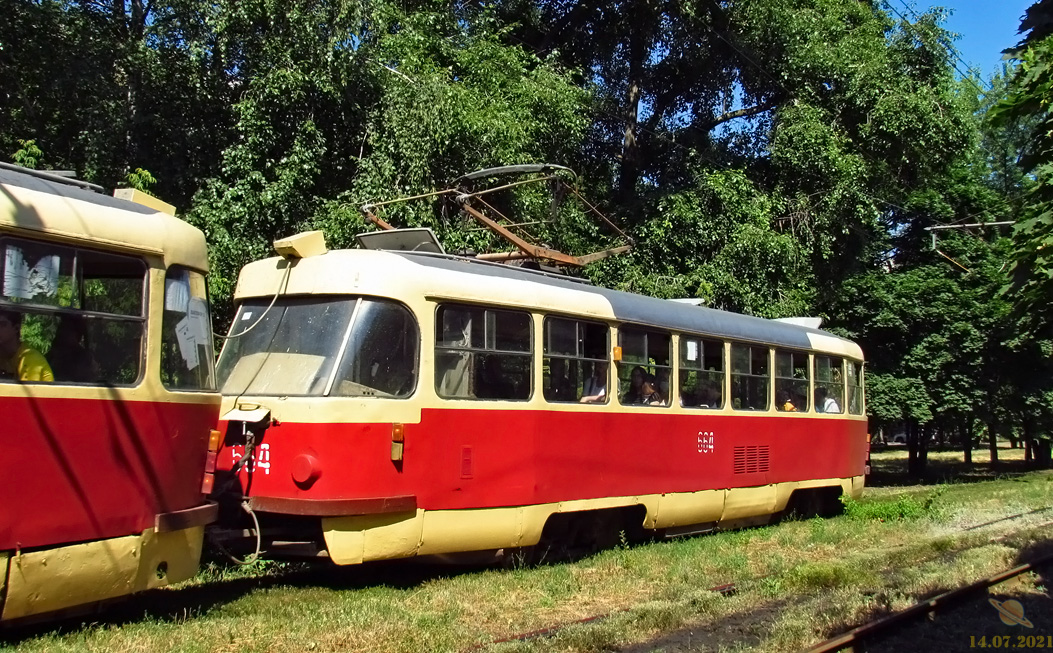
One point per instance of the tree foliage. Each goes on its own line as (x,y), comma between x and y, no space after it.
(775,157)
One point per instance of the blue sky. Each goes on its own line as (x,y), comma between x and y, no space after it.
(986,27)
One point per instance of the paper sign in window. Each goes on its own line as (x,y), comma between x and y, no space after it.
(25,282)
(692,350)
(187,343)
(197,312)
(177,292)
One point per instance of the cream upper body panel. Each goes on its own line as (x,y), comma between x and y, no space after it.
(383,274)
(31,206)
(414,279)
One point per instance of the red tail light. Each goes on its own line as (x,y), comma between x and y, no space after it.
(207,483)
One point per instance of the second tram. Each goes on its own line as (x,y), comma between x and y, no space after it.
(107,395)
(388,404)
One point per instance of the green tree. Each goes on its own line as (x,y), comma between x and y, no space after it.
(373,106)
(1030,98)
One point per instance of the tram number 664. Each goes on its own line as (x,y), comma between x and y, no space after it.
(706,442)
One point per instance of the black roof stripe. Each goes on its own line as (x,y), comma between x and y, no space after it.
(640,309)
(14,178)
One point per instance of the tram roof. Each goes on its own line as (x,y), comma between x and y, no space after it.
(79,216)
(403,275)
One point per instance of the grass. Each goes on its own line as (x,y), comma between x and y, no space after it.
(797,582)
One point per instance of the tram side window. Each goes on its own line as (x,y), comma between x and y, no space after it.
(482,353)
(380,359)
(854,372)
(791,381)
(645,367)
(80,309)
(576,364)
(186,333)
(750,377)
(829,384)
(701,372)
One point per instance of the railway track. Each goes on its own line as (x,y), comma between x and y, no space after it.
(853,637)
(951,598)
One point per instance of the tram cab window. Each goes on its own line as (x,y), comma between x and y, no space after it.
(482,353)
(576,363)
(750,377)
(701,372)
(288,349)
(854,386)
(791,381)
(83,310)
(186,333)
(829,384)
(645,368)
(380,357)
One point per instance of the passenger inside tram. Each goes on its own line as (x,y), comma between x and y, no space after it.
(69,355)
(663,384)
(595,390)
(559,385)
(634,395)
(18,360)
(784,402)
(824,403)
(649,393)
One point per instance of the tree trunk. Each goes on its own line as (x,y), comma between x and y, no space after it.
(924,435)
(1043,454)
(992,431)
(630,149)
(915,464)
(1027,437)
(967,441)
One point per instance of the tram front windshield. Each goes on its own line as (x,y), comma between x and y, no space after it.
(318,346)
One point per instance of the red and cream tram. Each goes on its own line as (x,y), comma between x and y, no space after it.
(107,394)
(387,404)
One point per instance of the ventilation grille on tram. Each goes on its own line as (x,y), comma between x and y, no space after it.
(751,459)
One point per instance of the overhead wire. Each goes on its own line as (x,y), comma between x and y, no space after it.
(952,51)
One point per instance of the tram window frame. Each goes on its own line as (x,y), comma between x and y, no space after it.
(743,394)
(186,333)
(383,367)
(788,364)
(854,386)
(701,373)
(825,383)
(647,358)
(578,365)
(470,361)
(90,296)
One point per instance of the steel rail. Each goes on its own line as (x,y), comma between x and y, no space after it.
(948,598)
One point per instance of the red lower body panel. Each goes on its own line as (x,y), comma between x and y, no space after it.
(80,469)
(456,459)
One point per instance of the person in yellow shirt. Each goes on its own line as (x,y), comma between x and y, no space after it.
(18,359)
